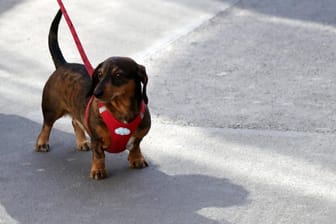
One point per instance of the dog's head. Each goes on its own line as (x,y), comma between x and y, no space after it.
(119,77)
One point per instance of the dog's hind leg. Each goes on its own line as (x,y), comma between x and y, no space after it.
(82,142)
(51,112)
(42,143)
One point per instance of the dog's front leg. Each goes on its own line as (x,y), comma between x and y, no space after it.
(98,170)
(135,158)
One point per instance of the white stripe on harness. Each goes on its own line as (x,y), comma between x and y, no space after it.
(102,109)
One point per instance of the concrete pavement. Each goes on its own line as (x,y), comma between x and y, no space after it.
(241,94)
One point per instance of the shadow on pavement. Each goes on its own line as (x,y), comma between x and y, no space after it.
(322,12)
(310,10)
(6,5)
(54,187)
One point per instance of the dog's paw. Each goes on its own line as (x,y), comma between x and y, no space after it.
(42,148)
(83,146)
(137,162)
(98,174)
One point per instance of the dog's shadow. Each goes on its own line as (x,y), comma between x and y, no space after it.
(54,187)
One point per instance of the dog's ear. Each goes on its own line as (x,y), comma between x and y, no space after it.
(144,79)
(95,79)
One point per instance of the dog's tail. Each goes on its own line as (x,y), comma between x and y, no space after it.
(54,48)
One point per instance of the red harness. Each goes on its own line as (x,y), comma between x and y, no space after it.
(120,133)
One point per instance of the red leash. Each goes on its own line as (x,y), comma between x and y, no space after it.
(80,48)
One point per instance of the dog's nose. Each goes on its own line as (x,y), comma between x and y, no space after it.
(98,93)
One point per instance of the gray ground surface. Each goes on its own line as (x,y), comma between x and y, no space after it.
(242,98)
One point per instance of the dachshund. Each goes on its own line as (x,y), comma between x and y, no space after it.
(117,87)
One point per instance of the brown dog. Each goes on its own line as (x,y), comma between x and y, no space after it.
(118,82)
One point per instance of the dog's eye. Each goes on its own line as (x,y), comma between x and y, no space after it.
(119,79)
(100,75)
